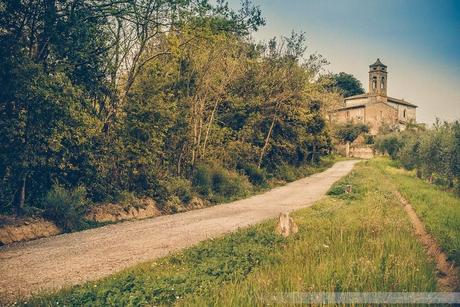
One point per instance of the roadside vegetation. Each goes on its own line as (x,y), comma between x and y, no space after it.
(167,100)
(434,154)
(438,209)
(350,241)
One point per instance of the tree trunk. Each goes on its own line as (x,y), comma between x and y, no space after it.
(347,150)
(22,195)
(209,127)
(267,139)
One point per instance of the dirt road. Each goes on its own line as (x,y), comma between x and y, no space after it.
(74,258)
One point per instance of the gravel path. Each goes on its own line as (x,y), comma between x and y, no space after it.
(70,259)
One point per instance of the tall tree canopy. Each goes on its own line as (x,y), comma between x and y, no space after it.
(125,96)
(346,84)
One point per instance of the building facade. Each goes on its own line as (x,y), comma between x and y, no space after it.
(376,108)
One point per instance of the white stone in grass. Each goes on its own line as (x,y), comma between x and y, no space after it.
(286,225)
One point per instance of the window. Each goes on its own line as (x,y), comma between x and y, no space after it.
(382,83)
(374,83)
(348,114)
(404,113)
(381,114)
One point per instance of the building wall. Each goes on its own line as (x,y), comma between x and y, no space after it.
(373,114)
(378,114)
(409,115)
(355,115)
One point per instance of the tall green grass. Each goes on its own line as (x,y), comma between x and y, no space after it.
(439,210)
(360,241)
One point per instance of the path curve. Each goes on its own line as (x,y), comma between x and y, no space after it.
(74,258)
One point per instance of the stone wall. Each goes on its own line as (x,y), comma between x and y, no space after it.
(379,113)
(356,151)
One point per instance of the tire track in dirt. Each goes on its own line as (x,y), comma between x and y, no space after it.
(447,273)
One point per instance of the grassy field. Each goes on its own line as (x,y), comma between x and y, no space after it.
(439,210)
(360,241)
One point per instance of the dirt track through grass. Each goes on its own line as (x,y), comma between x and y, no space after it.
(71,259)
(447,273)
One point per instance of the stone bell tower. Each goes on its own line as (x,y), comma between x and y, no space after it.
(378,79)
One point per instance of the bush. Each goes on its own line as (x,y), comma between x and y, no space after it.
(285,172)
(227,185)
(257,176)
(129,199)
(434,154)
(390,144)
(369,139)
(173,205)
(219,184)
(202,180)
(409,154)
(180,188)
(66,207)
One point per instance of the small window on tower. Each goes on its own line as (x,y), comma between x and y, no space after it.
(382,83)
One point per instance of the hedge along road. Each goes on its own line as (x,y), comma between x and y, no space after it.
(74,258)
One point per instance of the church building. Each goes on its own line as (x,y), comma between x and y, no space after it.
(375,108)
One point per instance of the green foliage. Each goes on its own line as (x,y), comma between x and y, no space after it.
(433,153)
(286,172)
(181,188)
(369,139)
(219,184)
(66,207)
(202,181)
(349,132)
(390,144)
(257,176)
(345,83)
(91,96)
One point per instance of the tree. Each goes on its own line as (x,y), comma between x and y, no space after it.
(349,132)
(345,83)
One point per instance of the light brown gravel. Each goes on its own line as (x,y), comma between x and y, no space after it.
(70,259)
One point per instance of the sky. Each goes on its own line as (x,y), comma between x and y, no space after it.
(419,41)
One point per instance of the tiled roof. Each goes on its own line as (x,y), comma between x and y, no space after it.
(378,63)
(403,102)
(357,106)
(357,96)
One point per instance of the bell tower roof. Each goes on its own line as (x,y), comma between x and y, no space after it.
(378,78)
(377,63)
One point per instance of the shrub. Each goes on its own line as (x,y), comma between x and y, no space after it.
(390,144)
(173,205)
(181,188)
(285,172)
(257,176)
(350,132)
(369,139)
(129,199)
(66,207)
(219,184)
(227,185)
(202,180)
(410,154)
